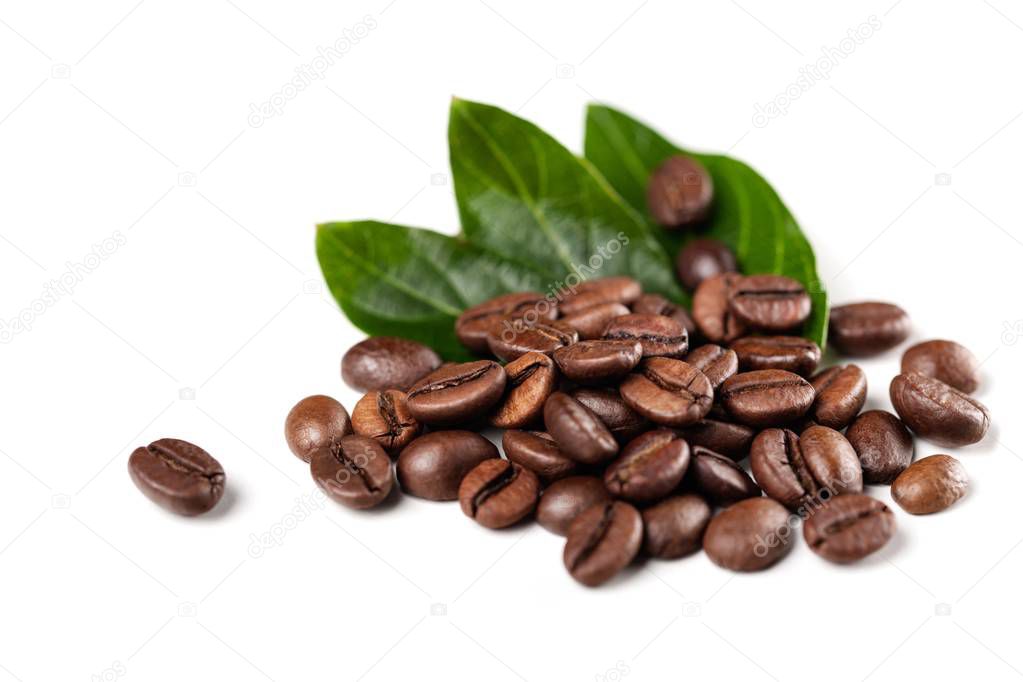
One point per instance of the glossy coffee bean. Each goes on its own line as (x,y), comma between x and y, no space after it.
(564,500)
(314,422)
(384,416)
(590,322)
(668,392)
(938,412)
(355,471)
(751,535)
(655,304)
(433,465)
(770,303)
(766,397)
(840,393)
(658,335)
(498,493)
(457,393)
(602,541)
(538,452)
(715,433)
(512,338)
(791,353)
(178,476)
(869,328)
(622,421)
(720,480)
(882,443)
(578,432)
(848,528)
(701,259)
(712,309)
(679,192)
(716,363)
(803,471)
(531,380)
(618,289)
(382,362)
(599,361)
(930,485)
(673,528)
(475,323)
(946,361)
(649,467)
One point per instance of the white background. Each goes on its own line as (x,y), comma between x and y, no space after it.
(132,119)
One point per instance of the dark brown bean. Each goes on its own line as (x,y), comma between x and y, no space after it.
(513,337)
(531,380)
(668,392)
(946,361)
(674,527)
(703,258)
(658,335)
(598,361)
(564,500)
(618,289)
(538,452)
(716,363)
(803,471)
(766,397)
(649,467)
(314,422)
(602,541)
(590,322)
(930,485)
(840,392)
(178,476)
(384,416)
(655,304)
(712,310)
(498,493)
(355,471)
(719,479)
(791,353)
(679,192)
(869,328)
(578,432)
(751,535)
(723,437)
(382,362)
(621,420)
(938,412)
(474,324)
(457,393)
(770,303)
(883,444)
(433,465)
(848,528)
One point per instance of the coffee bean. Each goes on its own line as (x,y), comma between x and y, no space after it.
(938,412)
(674,527)
(882,443)
(602,541)
(751,535)
(498,493)
(792,353)
(538,452)
(589,362)
(619,289)
(766,397)
(862,329)
(458,393)
(848,528)
(649,467)
(314,422)
(178,476)
(701,259)
(590,322)
(531,380)
(355,471)
(564,500)
(620,419)
(719,479)
(770,303)
(655,304)
(512,338)
(657,334)
(930,485)
(668,392)
(383,362)
(803,471)
(384,416)
(433,465)
(946,361)
(679,192)
(475,323)
(578,432)
(840,394)
(716,363)
(715,433)
(712,310)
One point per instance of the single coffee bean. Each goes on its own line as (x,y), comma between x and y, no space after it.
(382,362)
(946,361)
(564,500)
(831,460)
(649,467)
(938,412)
(655,304)
(458,393)
(803,471)
(314,422)
(531,380)
(498,493)
(589,362)
(384,416)
(701,259)
(770,303)
(716,363)
(355,471)
(679,192)
(538,452)
(792,353)
(657,334)
(578,432)
(618,289)
(751,535)
(673,528)
(590,322)
(714,433)
(622,421)
(719,479)
(766,397)
(433,465)
(863,329)
(930,485)
(849,527)
(883,444)
(668,392)
(178,476)
(840,393)
(473,326)
(712,310)
(602,541)
(513,338)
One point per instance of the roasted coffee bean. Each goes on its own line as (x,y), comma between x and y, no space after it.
(792,353)
(458,393)
(622,421)
(314,422)
(474,324)
(649,467)
(602,541)
(930,485)
(498,493)
(355,471)
(723,437)
(938,412)
(578,432)
(178,476)
(716,363)
(657,334)
(701,259)
(531,380)
(770,303)
(564,500)
(766,397)
(712,310)
(512,338)
(751,535)
(619,289)
(538,452)
(674,527)
(384,416)
(382,362)
(803,472)
(589,362)
(862,329)
(719,479)
(433,465)
(849,527)
(840,393)
(590,322)
(668,392)
(679,192)
(946,361)
(655,304)
(882,443)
